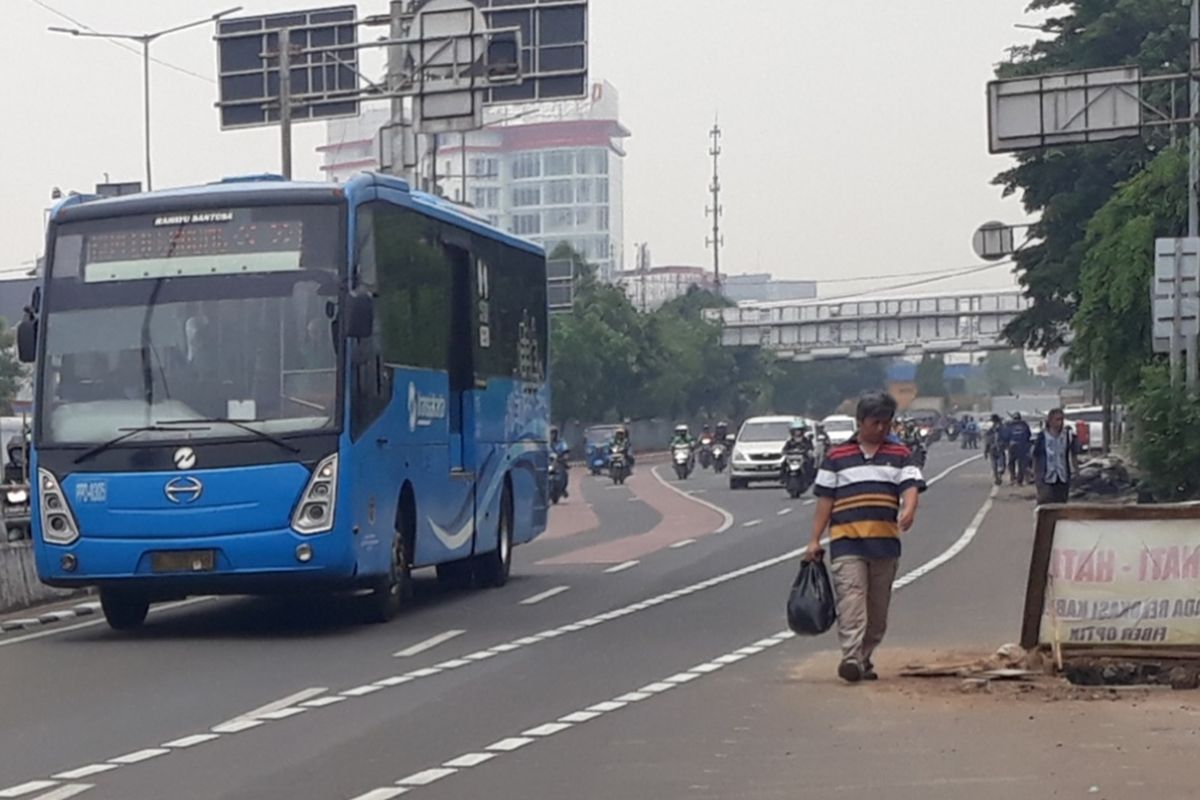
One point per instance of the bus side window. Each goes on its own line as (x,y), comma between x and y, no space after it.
(372,379)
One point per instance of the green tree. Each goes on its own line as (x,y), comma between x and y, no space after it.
(12,372)
(1004,371)
(931,376)
(1067,186)
(817,388)
(1166,441)
(1112,325)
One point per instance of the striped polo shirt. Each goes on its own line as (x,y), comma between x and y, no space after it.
(866,497)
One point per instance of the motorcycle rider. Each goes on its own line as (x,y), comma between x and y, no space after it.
(620,442)
(1020,439)
(682,436)
(800,441)
(559,450)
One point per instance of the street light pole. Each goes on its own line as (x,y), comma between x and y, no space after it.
(145,40)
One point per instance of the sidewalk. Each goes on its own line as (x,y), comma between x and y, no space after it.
(804,733)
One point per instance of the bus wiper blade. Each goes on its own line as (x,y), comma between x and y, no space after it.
(129,433)
(275,440)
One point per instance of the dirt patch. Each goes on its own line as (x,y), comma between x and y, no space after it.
(969,685)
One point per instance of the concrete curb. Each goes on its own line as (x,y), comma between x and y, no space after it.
(49,618)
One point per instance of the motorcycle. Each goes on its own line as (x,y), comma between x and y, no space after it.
(618,465)
(15,510)
(720,457)
(681,455)
(952,431)
(798,469)
(558,479)
(706,452)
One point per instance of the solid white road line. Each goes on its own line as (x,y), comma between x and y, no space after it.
(5,642)
(622,567)
(682,543)
(546,595)
(565,723)
(725,515)
(512,743)
(428,644)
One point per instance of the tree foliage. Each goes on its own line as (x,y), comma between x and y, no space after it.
(1167,444)
(931,376)
(12,371)
(1067,186)
(608,363)
(1112,324)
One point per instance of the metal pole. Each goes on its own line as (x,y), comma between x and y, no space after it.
(1177,311)
(1193,354)
(285,101)
(146,109)
(464,167)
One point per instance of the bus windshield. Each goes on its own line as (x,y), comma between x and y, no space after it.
(189,316)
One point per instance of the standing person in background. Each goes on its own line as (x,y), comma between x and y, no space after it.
(866,493)
(1055,459)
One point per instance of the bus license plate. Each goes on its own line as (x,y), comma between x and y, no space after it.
(183,561)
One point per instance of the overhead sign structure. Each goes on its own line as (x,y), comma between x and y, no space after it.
(560,280)
(1066,108)
(553,47)
(324,77)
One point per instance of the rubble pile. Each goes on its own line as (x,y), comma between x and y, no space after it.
(1106,476)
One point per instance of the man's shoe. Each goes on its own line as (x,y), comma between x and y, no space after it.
(869,672)
(850,671)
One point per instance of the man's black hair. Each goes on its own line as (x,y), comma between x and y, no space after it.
(876,405)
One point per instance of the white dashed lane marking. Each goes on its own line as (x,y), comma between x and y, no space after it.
(622,567)
(783,512)
(512,743)
(546,595)
(683,543)
(754,523)
(65,791)
(428,644)
(569,721)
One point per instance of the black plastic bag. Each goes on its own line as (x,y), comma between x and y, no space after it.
(811,609)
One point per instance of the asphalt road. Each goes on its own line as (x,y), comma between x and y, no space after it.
(643,619)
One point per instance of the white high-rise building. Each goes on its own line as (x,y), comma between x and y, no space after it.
(551,172)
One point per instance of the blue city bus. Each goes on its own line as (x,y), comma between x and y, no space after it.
(259,387)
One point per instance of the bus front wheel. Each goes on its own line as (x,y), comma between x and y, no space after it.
(123,611)
(395,587)
(493,569)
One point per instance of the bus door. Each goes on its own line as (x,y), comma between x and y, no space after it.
(461,367)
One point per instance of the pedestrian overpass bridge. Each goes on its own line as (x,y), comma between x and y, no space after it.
(868,327)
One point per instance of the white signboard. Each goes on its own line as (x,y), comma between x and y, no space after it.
(1123,582)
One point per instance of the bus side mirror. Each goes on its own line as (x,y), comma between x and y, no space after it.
(27,341)
(360,316)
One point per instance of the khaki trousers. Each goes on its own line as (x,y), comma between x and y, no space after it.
(864,592)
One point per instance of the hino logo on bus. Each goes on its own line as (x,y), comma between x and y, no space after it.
(184,491)
(423,409)
(185,458)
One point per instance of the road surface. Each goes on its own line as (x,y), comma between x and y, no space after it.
(639,651)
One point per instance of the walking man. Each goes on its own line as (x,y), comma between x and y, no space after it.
(1055,459)
(867,494)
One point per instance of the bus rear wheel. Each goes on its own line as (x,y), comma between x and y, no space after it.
(123,611)
(492,569)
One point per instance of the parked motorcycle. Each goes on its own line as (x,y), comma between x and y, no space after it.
(681,455)
(799,471)
(618,465)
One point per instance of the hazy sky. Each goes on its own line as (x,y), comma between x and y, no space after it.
(855,130)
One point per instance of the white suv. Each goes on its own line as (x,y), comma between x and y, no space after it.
(758,454)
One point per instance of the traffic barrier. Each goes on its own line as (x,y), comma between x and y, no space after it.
(19,584)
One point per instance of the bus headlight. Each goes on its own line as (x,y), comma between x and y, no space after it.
(58,524)
(314,512)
